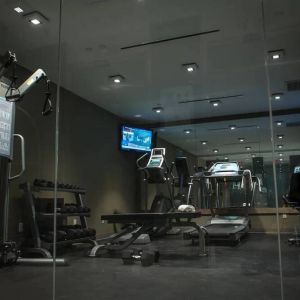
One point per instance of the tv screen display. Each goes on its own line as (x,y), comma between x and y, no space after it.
(137,139)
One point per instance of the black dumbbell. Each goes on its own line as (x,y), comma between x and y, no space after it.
(89,232)
(72,234)
(71,208)
(61,235)
(50,184)
(40,182)
(80,232)
(63,209)
(146,257)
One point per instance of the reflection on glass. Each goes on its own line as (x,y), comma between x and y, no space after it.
(28,71)
(193,73)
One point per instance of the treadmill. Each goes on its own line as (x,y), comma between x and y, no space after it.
(228,223)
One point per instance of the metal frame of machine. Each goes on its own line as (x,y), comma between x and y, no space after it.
(231,223)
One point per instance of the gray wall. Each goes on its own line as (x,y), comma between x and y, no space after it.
(89,155)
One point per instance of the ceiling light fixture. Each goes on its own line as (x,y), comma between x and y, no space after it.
(215,150)
(280,136)
(232,127)
(35,21)
(203,142)
(253,155)
(215,103)
(190,67)
(280,159)
(187,131)
(225,158)
(36,18)
(279,123)
(275,55)
(19,10)
(137,116)
(280,154)
(241,140)
(277,96)
(157,109)
(279,146)
(248,148)
(117,78)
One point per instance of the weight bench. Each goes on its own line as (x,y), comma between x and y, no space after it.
(146,222)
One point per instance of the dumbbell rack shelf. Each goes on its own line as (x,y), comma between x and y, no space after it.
(62,215)
(40,246)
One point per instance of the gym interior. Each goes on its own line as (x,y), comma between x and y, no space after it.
(149,148)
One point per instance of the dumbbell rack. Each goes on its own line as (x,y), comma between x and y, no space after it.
(39,246)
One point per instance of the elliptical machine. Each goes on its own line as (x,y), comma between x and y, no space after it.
(157,171)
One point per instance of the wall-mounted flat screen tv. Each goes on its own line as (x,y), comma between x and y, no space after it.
(137,139)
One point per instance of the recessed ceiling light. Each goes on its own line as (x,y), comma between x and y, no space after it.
(137,116)
(157,109)
(280,146)
(276,55)
(35,17)
(215,103)
(248,148)
(277,96)
(280,154)
(187,131)
(19,10)
(35,21)
(203,142)
(190,67)
(280,136)
(225,158)
(232,127)
(241,140)
(215,150)
(117,78)
(279,123)
(253,155)
(280,159)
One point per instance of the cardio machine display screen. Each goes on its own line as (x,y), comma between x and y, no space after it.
(137,139)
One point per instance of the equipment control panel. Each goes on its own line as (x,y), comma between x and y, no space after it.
(157,158)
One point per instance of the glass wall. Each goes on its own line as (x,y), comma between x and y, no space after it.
(28,76)
(282,44)
(211,88)
(196,74)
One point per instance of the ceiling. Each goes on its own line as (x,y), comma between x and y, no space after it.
(231,61)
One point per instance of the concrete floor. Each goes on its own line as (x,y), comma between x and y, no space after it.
(247,271)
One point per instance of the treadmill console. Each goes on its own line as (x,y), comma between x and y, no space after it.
(225,168)
(157,158)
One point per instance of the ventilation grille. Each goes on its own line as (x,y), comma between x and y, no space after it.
(174,38)
(210,99)
(293,85)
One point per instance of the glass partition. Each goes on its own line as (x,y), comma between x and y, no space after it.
(28,76)
(195,79)
(282,44)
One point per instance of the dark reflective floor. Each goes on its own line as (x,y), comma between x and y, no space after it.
(248,271)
